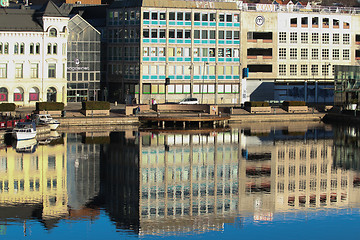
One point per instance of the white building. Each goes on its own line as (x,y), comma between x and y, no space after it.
(33,55)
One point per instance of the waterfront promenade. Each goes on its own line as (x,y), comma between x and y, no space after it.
(73,117)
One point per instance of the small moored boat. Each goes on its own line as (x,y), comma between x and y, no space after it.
(46,119)
(24,131)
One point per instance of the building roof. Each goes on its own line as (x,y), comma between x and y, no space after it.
(18,20)
(50,9)
(27,19)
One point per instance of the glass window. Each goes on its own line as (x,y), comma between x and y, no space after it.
(282,37)
(18,70)
(55,48)
(3,70)
(31,48)
(304,53)
(146,15)
(187,16)
(304,70)
(22,48)
(228,18)
(52,70)
(314,38)
(162,16)
(154,15)
(180,16)
(196,16)
(293,53)
(314,54)
(16,48)
(282,69)
(346,38)
(293,69)
(34,70)
(37,48)
(304,37)
(221,35)
(53,32)
(293,37)
(171,16)
(282,53)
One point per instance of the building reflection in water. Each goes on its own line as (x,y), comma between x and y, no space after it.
(162,183)
(167,183)
(52,183)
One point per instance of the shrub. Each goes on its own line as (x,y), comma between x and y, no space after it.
(293,103)
(7,107)
(256,104)
(49,106)
(92,105)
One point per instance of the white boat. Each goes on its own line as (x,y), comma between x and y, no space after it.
(26,146)
(47,120)
(24,131)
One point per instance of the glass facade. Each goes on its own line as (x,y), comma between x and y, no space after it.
(83,66)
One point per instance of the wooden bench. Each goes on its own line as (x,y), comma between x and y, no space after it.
(258,109)
(296,109)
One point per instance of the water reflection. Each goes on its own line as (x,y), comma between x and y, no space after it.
(165,183)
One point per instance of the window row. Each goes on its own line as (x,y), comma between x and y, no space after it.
(34,70)
(305,70)
(120,33)
(185,88)
(293,53)
(33,48)
(314,37)
(117,69)
(199,70)
(187,16)
(19,94)
(124,15)
(326,22)
(198,34)
(186,52)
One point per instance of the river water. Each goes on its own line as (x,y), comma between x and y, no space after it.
(300,180)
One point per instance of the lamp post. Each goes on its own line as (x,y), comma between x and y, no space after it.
(203,83)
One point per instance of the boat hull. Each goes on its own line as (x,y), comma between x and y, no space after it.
(24,135)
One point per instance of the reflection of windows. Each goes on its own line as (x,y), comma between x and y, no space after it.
(51,162)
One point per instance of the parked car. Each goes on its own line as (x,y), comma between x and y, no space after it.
(189,101)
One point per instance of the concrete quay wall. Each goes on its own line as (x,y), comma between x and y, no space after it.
(110,121)
(97,121)
(276,118)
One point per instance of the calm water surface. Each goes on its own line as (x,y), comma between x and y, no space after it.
(299,181)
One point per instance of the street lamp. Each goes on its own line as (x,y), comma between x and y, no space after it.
(203,83)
